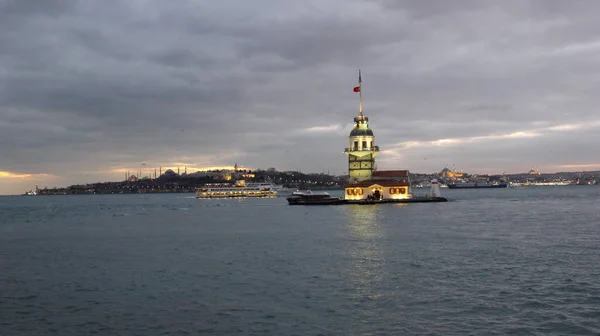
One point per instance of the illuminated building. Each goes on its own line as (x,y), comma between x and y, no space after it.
(447,173)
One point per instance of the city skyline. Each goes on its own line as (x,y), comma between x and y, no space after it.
(90,90)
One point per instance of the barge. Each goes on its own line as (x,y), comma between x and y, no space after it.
(415,199)
(323,198)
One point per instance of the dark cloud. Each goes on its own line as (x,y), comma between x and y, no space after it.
(18,9)
(92,86)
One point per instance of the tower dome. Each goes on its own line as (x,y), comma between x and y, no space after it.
(361,132)
(361,126)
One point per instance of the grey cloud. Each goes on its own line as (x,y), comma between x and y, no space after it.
(182,59)
(510,155)
(35,8)
(309,47)
(92,84)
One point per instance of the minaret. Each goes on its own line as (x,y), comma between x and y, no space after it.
(362,150)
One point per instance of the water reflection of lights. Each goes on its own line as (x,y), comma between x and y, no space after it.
(364,253)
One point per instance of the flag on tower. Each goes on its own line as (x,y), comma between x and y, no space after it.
(357,88)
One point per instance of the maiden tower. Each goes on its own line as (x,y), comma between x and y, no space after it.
(361,149)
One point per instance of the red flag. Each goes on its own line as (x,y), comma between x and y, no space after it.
(357,89)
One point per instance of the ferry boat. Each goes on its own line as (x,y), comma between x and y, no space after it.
(272,186)
(239,189)
(308,197)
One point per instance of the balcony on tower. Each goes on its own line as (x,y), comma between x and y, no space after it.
(361,150)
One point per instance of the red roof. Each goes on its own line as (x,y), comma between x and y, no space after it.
(383,183)
(390,173)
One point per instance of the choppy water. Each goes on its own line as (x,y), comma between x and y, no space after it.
(493,262)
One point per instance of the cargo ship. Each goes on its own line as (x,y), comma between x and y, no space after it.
(477,185)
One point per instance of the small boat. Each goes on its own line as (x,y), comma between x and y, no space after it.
(313,198)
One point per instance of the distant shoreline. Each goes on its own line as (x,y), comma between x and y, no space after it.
(171,182)
(279,193)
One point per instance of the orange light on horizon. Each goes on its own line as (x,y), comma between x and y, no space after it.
(5,174)
(585,165)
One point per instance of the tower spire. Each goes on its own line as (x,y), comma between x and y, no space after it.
(360,92)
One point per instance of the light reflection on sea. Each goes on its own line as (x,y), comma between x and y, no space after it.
(366,272)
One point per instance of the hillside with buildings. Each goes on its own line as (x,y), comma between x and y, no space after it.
(530,178)
(172,182)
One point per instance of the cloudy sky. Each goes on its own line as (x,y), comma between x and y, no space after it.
(92,89)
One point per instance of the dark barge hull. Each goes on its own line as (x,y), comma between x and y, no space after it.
(316,202)
(407,200)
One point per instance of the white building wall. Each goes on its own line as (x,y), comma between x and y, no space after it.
(353,193)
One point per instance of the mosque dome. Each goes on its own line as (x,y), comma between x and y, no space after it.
(170,172)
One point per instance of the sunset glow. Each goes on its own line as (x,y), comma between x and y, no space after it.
(9,175)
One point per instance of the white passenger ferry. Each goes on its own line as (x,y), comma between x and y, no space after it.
(238,189)
(272,186)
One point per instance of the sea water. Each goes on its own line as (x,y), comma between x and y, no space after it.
(522,261)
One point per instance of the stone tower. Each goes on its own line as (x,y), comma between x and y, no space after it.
(361,149)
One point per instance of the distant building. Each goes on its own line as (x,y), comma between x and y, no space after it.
(447,173)
(248,175)
(400,175)
(170,173)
